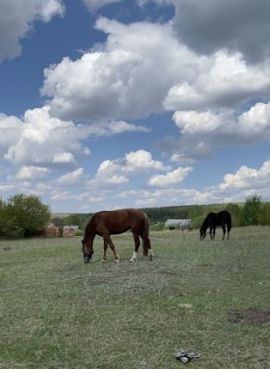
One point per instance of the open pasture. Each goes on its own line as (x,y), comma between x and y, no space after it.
(57,312)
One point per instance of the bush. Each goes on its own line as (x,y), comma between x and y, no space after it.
(157,227)
(23,216)
(251,211)
(78,233)
(264,216)
(75,219)
(197,222)
(236,213)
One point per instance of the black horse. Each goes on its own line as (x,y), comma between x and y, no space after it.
(213,220)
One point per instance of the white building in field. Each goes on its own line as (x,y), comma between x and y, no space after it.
(181,224)
(70,231)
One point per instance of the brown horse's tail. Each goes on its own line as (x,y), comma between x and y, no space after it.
(145,238)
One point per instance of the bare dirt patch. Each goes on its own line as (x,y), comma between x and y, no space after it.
(250,316)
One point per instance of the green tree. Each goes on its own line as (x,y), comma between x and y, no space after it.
(75,219)
(235,211)
(58,222)
(251,211)
(2,217)
(23,216)
(264,217)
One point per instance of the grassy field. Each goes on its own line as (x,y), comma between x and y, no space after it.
(56,312)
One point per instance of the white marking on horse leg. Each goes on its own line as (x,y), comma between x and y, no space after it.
(117,258)
(133,257)
(151,254)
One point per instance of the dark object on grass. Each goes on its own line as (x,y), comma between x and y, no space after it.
(187,356)
(7,248)
(250,316)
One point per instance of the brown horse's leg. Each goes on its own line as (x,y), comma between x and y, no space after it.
(107,238)
(151,254)
(147,249)
(105,247)
(137,245)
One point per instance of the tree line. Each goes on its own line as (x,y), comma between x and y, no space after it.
(253,212)
(25,216)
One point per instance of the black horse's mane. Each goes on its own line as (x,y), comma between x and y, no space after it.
(211,219)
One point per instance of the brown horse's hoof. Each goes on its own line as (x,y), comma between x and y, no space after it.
(104,260)
(117,260)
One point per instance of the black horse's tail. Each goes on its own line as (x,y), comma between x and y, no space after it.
(229,224)
(145,237)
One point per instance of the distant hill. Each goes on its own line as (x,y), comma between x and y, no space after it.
(196,213)
(156,215)
(60,215)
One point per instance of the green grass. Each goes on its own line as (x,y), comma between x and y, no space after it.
(57,312)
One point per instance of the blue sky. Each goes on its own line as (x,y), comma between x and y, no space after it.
(109,104)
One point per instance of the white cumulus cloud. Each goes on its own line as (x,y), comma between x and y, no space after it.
(133,75)
(223,80)
(133,162)
(203,132)
(31,172)
(51,140)
(45,139)
(96,4)
(71,177)
(193,122)
(248,178)
(122,79)
(210,25)
(114,127)
(113,173)
(10,131)
(172,178)
(17,18)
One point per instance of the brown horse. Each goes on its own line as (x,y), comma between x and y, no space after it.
(106,223)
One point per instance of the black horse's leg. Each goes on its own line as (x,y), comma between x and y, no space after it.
(228,230)
(137,245)
(224,231)
(107,239)
(211,232)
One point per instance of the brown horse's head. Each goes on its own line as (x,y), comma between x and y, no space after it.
(87,250)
